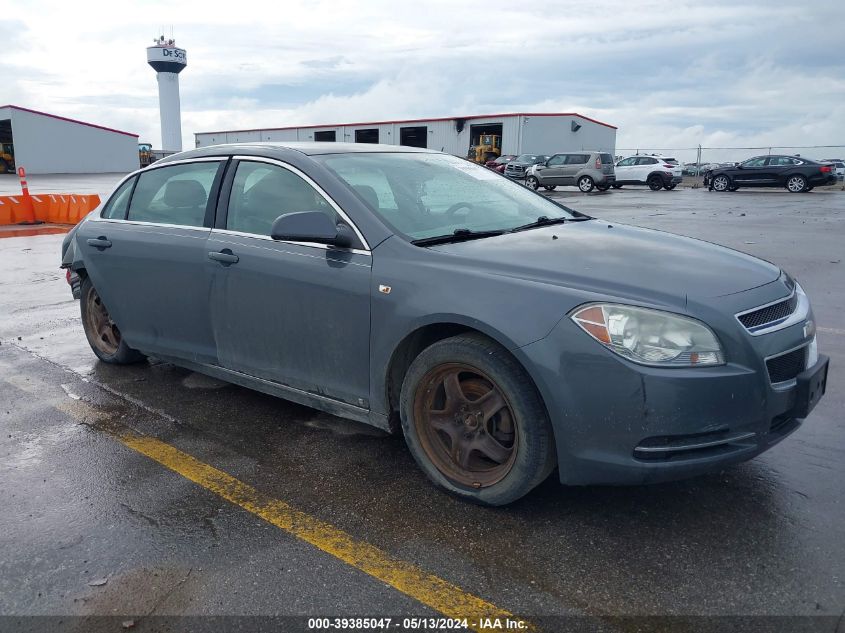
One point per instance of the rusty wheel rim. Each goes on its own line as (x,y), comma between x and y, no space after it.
(104,333)
(466,425)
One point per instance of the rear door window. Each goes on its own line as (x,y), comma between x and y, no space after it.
(577,159)
(117,206)
(261,192)
(174,195)
(646,160)
(783,161)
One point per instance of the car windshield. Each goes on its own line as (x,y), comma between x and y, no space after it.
(525,158)
(424,195)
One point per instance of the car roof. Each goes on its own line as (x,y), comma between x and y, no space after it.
(280,149)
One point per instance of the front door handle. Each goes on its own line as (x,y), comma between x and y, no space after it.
(99,242)
(225,257)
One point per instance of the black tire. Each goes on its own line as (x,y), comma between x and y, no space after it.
(616,186)
(549,187)
(586,184)
(796,183)
(532,183)
(655,183)
(670,186)
(110,347)
(532,451)
(720,182)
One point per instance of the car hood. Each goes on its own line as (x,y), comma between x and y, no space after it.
(618,260)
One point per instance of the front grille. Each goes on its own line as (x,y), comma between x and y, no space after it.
(769,314)
(787,366)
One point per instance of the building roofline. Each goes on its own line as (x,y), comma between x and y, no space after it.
(62,118)
(450,118)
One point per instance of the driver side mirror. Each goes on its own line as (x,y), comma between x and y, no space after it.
(311,226)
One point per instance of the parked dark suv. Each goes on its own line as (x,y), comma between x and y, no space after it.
(793,172)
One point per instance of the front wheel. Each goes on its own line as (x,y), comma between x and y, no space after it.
(532,183)
(796,183)
(720,183)
(103,335)
(474,421)
(585,184)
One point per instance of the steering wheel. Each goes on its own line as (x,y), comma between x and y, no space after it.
(450,212)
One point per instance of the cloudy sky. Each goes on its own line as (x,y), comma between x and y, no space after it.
(669,74)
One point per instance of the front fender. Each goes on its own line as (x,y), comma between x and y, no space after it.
(428,288)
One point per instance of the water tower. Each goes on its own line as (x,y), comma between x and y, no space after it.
(168,61)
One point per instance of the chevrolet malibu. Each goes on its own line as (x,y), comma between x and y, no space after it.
(506,336)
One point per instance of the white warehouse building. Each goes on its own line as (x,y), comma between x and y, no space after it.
(49,144)
(520,133)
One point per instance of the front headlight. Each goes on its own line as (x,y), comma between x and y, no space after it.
(650,337)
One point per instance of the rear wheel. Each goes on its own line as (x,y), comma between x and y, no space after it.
(532,183)
(103,335)
(655,183)
(721,183)
(796,183)
(585,184)
(474,421)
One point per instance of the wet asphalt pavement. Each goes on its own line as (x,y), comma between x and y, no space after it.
(91,527)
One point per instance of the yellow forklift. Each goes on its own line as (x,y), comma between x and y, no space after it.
(145,154)
(489,148)
(7,158)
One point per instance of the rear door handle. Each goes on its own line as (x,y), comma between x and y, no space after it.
(99,242)
(224,257)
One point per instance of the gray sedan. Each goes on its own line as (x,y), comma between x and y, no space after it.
(505,335)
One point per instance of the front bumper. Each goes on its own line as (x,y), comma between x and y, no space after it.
(620,423)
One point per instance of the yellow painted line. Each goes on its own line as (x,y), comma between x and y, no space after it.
(430,590)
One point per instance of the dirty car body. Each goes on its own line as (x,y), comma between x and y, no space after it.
(653,356)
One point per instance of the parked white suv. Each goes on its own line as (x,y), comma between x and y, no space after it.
(654,170)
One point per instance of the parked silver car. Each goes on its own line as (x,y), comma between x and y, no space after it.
(520,165)
(584,170)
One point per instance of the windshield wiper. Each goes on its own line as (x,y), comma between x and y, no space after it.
(542,221)
(458,235)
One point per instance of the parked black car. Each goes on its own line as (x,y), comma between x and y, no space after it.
(795,173)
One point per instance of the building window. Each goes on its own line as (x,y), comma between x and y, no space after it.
(367,136)
(414,136)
